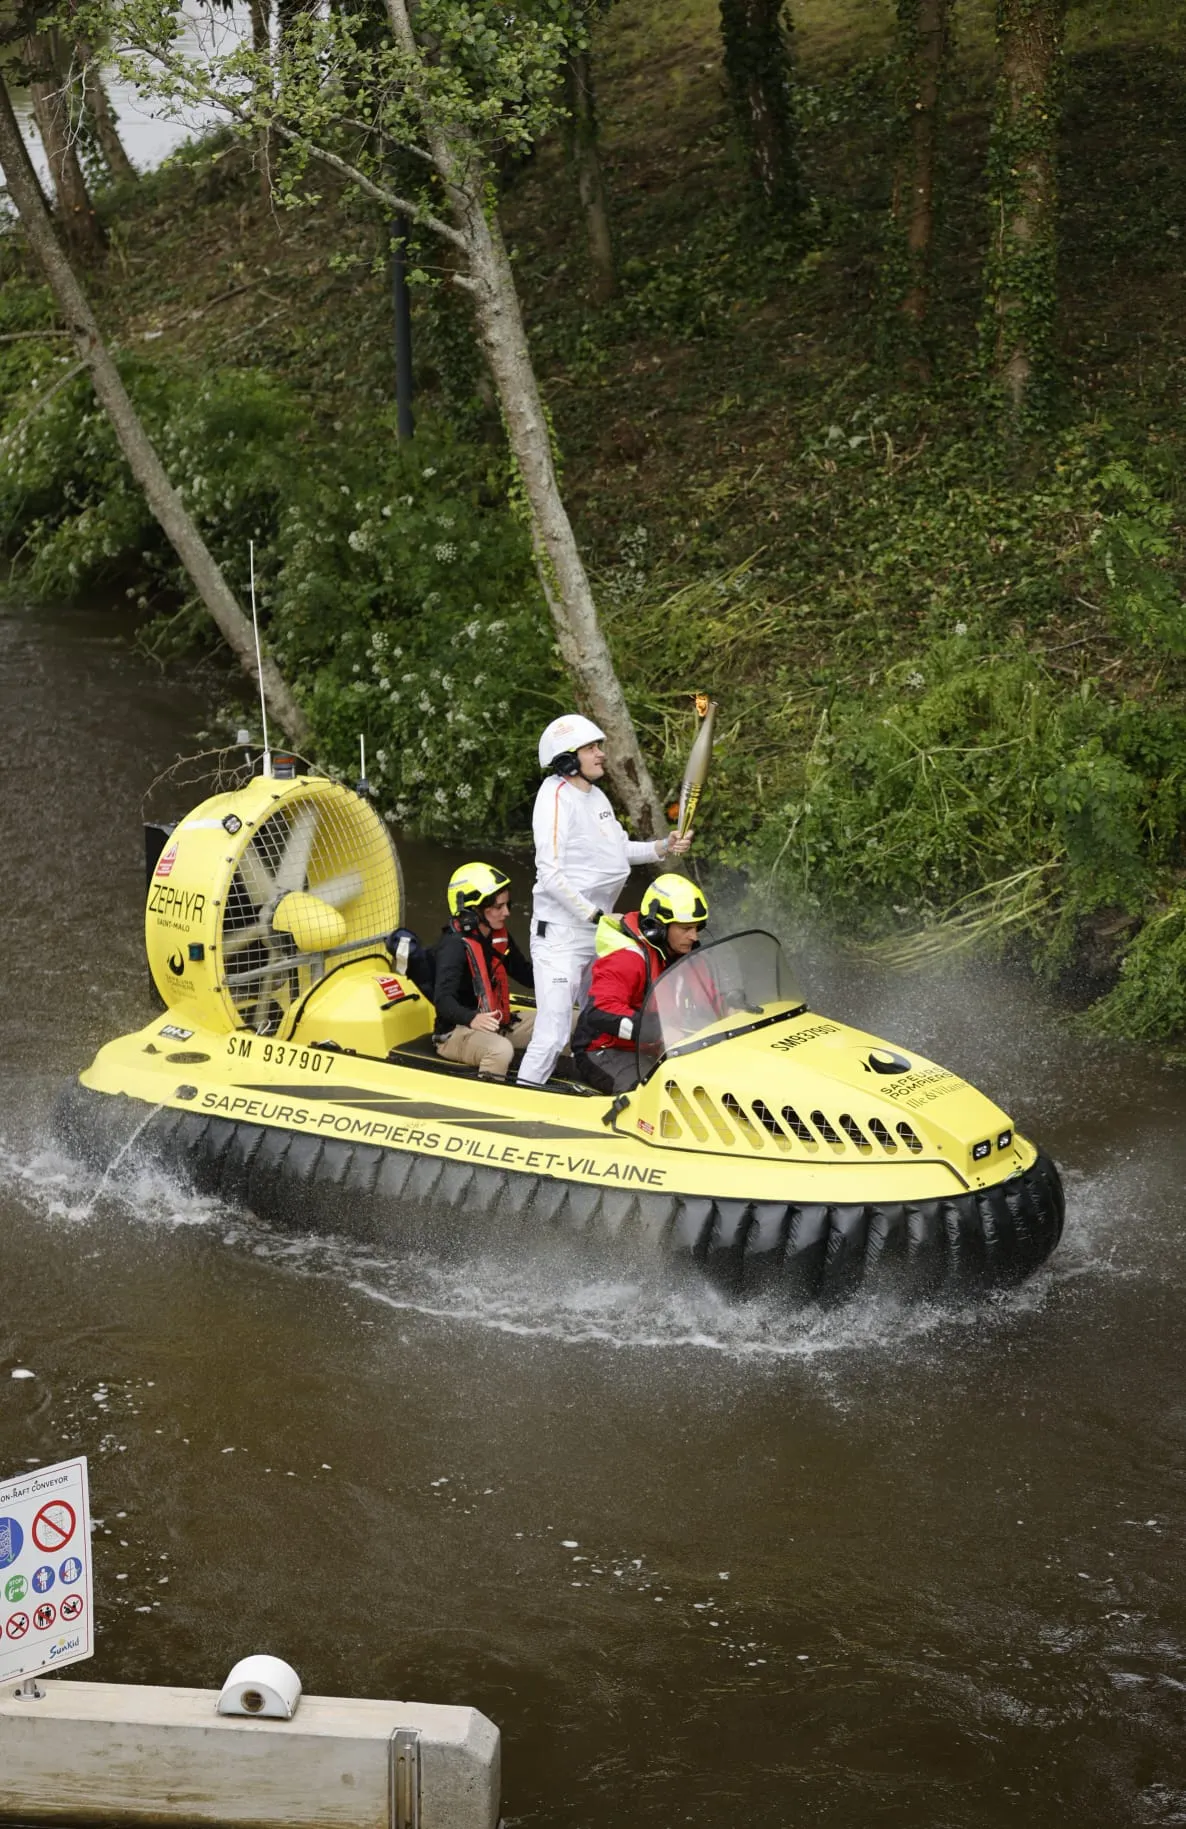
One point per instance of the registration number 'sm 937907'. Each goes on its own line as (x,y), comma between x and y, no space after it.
(279,1054)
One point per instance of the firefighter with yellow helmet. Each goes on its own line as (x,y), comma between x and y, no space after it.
(632,950)
(475,959)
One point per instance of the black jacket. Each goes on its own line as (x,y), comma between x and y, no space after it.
(455,996)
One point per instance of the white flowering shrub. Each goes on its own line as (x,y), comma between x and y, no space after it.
(395,589)
(415,613)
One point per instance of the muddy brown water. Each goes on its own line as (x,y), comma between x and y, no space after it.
(699,1563)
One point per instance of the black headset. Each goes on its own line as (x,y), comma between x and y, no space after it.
(567,763)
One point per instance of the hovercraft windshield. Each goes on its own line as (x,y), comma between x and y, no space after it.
(725,988)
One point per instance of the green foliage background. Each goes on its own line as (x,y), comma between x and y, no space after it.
(950,663)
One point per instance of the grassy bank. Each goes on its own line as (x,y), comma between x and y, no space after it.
(950,665)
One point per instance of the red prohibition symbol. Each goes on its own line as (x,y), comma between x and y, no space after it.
(54,1525)
(71,1607)
(18,1625)
(45,1616)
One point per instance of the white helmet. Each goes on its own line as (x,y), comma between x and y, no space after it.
(564,736)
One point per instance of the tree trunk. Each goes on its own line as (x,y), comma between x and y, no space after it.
(98,106)
(48,90)
(923,27)
(491,285)
(261,44)
(1020,284)
(586,162)
(137,448)
(755,35)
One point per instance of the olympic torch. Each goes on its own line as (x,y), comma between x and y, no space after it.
(696,772)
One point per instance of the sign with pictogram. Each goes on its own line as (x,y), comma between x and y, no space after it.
(44,1514)
(53,1526)
(11,1539)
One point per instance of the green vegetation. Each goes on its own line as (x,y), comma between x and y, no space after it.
(951,654)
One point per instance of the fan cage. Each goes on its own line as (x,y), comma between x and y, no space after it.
(327,845)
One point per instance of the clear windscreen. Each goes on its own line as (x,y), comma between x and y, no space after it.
(723,987)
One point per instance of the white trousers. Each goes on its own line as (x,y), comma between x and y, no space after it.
(559,959)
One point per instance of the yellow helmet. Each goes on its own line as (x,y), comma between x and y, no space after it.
(674,898)
(471,887)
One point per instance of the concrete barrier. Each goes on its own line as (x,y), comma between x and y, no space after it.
(91,1753)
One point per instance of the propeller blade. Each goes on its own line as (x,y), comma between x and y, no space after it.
(243,937)
(274,988)
(257,878)
(338,890)
(294,861)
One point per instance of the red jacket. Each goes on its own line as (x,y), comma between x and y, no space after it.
(618,987)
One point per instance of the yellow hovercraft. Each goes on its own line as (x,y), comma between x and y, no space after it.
(293,1074)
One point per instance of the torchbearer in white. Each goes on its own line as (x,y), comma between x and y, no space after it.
(583,858)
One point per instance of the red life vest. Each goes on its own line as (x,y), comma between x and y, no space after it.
(490,977)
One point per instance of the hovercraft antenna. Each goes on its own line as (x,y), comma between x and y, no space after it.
(259,665)
(364,787)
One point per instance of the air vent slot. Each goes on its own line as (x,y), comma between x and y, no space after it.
(683,1106)
(909,1139)
(670,1128)
(852,1129)
(768,1120)
(794,1122)
(825,1130)
(709,1110)
(883,1136)
(743,1121)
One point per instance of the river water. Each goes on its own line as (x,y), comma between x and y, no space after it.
(700,1564)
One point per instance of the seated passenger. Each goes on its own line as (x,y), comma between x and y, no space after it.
(632,950)
(474,957)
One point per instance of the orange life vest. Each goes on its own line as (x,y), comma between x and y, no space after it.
(490,976)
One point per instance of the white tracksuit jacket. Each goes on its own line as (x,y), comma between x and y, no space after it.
(582,858)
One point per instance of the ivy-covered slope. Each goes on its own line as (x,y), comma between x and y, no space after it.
(949,660)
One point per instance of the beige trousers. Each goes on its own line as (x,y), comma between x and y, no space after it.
(487,1050)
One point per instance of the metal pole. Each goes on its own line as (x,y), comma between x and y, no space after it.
(405,423)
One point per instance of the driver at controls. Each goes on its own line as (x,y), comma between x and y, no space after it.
(583,858)
(632,950)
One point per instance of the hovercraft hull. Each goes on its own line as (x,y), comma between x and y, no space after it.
(449,1186)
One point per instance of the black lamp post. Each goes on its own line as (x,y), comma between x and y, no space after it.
(405,423)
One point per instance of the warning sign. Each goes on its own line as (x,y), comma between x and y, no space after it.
(53,1526)
(44,1512)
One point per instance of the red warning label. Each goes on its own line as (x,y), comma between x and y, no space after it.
(54,1524)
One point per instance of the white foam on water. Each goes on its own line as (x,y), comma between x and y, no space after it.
(54,1186)
(548,1289)
(645,1316)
